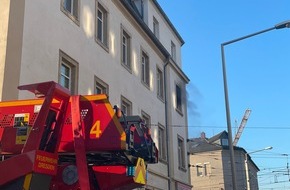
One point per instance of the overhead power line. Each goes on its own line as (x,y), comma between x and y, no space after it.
(224,127)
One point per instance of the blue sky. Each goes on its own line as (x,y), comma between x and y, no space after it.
(258,71)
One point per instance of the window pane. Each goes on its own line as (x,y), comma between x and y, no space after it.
(65,76)
(160,86)
(205,170)
(124,109)
(75,8)
(199,170)
(179,152)
(100,25)
(181,158)
(147,70)
(161,143)
(65,70)
(100,31)
(126,106)
(98,90)
(64,82)
(100,15)
(124,55)
(125,45)
(155,27)
(173,51)
(67,5)
(159,83)
(68,72)
(178,97)
(105,27)
(101,87)
(143,68)
(124,50)
(146,119)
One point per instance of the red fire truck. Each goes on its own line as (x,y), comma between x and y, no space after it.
(64,142)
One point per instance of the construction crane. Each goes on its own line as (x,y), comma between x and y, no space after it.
(242,126)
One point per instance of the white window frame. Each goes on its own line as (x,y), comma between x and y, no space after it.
(126,49)
(126,106)
(162,143)
(160,83)
(173,51)
(140,7)
(65,76)
(181,153)
(72,65)
(146,117)
(207,169)
(178,98)
(156,27)
(102,35)
(101,86)
(199,169)
(73,13)
(145,73)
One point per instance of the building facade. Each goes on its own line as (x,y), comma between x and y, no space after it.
(210,164)
(127,49)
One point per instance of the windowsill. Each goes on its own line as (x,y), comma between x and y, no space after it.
(179,111)
(182,169)
(127,67)
(146,85)
(104,46)
(163,161)
(204,175)
(72,17)
(160,98)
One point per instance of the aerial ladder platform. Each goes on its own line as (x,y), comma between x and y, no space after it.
(64,142)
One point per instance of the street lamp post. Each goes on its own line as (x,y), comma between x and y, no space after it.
(247,165)
(285,24)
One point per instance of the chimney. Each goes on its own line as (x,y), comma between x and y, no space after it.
(202,135)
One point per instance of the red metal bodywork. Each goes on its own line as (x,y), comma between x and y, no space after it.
(49,134)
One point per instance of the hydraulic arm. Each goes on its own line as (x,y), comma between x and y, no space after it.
(59,141)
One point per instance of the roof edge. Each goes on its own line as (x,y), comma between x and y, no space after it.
(168,21)
(145,27)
